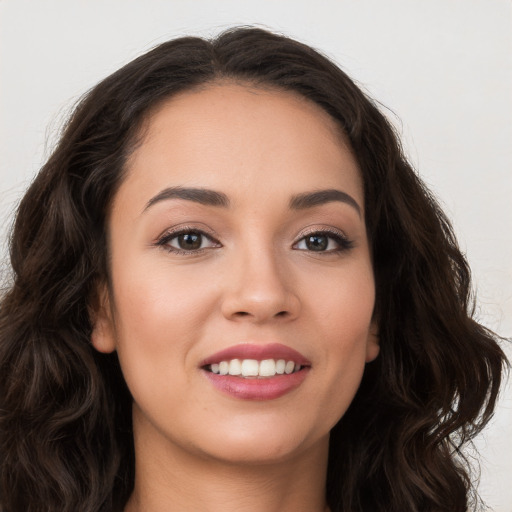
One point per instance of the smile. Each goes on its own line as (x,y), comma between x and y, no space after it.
(251,371)
(252,368)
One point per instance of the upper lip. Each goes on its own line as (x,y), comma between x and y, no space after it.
(258,352)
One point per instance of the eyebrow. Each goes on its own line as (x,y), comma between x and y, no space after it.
(319,197)
(197,195)
(210,197)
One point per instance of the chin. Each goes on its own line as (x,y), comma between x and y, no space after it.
(261,446)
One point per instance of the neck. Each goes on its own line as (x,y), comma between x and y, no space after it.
(171,477)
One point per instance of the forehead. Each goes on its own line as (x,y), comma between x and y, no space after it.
(228,134)
(237,103)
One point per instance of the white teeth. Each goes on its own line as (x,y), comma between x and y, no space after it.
(290,366)
(223,367)
(250,368)
(267,368)
(254,368)
(235,367)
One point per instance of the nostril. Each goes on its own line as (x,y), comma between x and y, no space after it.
(282,313)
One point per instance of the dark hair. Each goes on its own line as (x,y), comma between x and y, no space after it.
(65,412)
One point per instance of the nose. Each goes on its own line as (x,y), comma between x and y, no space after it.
(260,290)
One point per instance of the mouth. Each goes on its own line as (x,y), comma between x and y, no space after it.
(254,369)
(256,372)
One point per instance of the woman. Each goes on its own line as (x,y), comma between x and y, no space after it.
(231,291)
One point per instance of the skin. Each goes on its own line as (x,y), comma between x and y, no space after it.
(255,281)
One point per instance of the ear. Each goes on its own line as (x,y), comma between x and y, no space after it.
(372,343)
(100,313)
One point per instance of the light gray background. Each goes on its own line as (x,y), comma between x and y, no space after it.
(443,68)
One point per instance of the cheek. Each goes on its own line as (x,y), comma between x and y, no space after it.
(159,296)
(159,314)
(343,320)
(343,304)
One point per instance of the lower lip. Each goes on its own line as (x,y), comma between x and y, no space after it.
(267,388)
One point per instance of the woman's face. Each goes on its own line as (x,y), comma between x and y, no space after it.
(238,236)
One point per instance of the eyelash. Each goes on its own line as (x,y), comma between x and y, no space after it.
(344,244)
(167,237)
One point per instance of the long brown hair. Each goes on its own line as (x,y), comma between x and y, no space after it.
(65,412)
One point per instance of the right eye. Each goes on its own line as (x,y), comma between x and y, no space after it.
(187,241)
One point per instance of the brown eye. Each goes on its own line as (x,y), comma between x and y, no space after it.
(324,241)
(317,242)
(189,241)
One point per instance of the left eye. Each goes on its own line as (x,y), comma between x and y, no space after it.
(187,241)
(322,242)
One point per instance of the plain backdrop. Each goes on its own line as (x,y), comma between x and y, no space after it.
(442,68)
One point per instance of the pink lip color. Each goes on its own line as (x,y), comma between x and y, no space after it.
(267,388)
(258,352)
